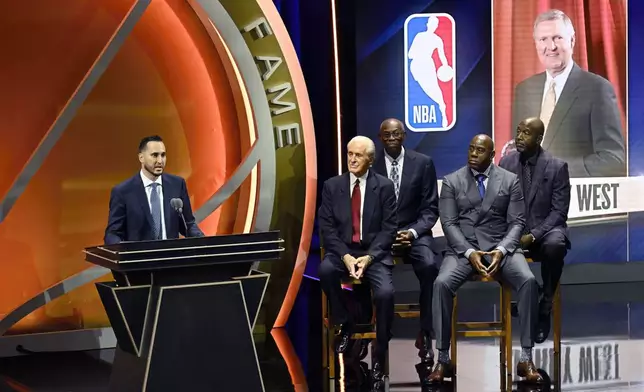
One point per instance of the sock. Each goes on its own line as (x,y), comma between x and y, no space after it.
(443,356)
(526,354)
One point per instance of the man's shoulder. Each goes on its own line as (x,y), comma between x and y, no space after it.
(553,161)
(456,175)
(418,156)
(532,81)
(510,157)
(172,178)
(591,81)
(335,180)
(127,184)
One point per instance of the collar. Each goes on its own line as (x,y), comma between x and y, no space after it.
(362,178)
(400,157)
(147,181)
(532,161)
(486,173)
(560,79)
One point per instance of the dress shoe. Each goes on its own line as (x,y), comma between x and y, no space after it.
(528,371)
(441,371)
(342,339)
(424,346)
(543,328)
(378,377)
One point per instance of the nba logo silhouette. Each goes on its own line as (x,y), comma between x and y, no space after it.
(430,70)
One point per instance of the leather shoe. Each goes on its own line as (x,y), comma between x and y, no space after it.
(441,371)
(377,378)
(543,328)
(528,371)
(424,346)
(342,339)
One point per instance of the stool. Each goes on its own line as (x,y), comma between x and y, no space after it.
(501,329)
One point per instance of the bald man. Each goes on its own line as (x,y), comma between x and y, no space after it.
(545,183)
(357,219)
(482,213)
(414,178)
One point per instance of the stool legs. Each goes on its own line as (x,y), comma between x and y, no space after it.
(557,339)
(506,317)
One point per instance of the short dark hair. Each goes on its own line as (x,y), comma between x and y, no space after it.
(144,142)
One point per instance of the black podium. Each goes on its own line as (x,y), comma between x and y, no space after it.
(183,311)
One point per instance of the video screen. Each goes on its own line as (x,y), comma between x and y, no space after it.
(451,70)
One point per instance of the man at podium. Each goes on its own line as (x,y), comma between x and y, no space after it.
(151,205)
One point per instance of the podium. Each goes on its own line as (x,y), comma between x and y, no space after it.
(183,311)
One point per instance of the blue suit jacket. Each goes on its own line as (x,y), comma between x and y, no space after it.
(548,199)
(130,218)
(378,216)
(417,206)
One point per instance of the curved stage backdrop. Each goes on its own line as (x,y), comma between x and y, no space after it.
(218,80)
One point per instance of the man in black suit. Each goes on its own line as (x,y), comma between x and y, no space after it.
(414,178)
(579,109)
(140,208)
(481,210)
(357,219)
(546,187)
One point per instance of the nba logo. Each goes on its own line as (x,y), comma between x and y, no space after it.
(430,70)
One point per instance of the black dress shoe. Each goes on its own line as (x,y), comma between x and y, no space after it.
(543,328)
(377,377)
(343,339)
(426,355)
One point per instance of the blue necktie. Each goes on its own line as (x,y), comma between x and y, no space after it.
(480,178)
(155,210)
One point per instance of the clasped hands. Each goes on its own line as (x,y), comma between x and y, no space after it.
(476,258)
(356,266)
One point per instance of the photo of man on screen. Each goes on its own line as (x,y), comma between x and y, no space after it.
(579,108)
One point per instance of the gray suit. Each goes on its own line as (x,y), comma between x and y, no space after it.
(585,129)
(471,223)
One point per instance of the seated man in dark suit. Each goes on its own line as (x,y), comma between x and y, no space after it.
(357,219)
(481,210)
(140,207)
(414,178)
(546,188)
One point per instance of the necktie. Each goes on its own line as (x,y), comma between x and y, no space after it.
(548,106)
(480,180)
(393,176)
(527,177)
(155,210)
(355,212)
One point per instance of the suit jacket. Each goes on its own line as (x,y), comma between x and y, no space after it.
(585,129)
(417,205)
(471,223)
(130,218)
(548,199)
(378,216)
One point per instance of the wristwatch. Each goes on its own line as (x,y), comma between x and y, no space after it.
(370,259)
(532,235)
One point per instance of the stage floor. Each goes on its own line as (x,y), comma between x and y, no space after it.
(602,349)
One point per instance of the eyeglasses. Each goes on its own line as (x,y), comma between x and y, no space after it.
(394,134)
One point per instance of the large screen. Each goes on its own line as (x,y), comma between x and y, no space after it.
(450,70)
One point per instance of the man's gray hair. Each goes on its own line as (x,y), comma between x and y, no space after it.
(554,15)
(371,147)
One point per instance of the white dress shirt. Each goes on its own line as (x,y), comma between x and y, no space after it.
(148,191)
(560,82)
(363,187)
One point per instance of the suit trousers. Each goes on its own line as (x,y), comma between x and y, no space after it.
(379,277)
(456,270)
(550,251)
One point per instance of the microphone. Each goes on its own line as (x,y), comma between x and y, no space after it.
(177,204)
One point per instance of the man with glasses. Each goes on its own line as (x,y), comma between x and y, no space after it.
(414,178)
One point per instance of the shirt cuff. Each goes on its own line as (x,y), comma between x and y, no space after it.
(413,232)
(502,249)
(468,253)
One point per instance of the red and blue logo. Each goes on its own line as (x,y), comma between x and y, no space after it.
(430,71)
